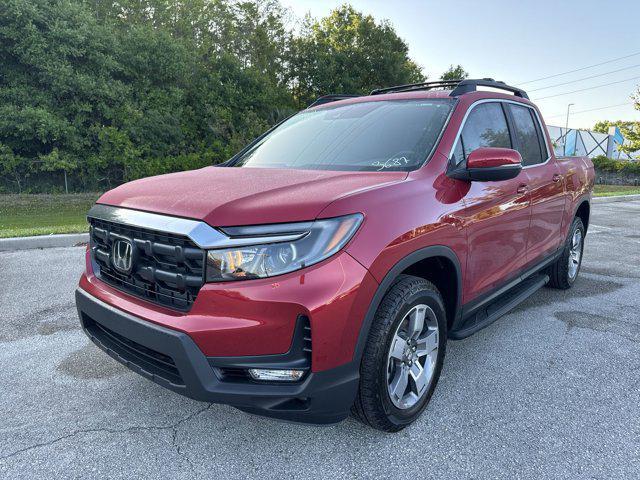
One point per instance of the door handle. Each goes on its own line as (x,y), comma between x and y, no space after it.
(556,177)
(522,188)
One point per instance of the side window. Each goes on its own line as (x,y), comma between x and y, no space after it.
(458,155)
(529,142)
(486,126)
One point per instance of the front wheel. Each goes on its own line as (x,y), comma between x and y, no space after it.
(564,271)
(403,356)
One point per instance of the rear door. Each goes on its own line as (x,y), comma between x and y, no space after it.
(544,181)
(496,214)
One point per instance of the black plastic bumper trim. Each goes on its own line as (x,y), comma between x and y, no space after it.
(322,397)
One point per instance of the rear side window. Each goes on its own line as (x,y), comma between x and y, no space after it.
(486,126)
(528,135)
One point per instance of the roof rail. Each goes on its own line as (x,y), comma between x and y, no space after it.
(334,97)
(417,86)
(466,86)
(458,86)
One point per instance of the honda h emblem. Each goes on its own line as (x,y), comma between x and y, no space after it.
(122,256)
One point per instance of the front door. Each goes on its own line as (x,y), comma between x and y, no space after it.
(496,214)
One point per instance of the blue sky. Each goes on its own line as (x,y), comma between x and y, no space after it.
(517,41)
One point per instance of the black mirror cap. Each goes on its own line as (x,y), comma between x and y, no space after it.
(486,174)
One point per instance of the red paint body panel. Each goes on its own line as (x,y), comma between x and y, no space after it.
(496,218)
(257,317)
(226,197)
(493,157)
(547,207)
(403,218)
(495,229)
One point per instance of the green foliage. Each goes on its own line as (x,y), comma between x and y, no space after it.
(630,131)
(454,73)
(348,52)
(623,167)
(113,91)
(615,190)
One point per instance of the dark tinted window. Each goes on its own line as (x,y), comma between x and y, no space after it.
(527,134)
(486,126)
(458,154)
(373,136)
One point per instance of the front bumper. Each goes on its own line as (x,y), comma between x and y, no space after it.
(172,359)
(258,317)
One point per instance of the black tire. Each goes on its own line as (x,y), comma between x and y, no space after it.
(558,272)
(373,405)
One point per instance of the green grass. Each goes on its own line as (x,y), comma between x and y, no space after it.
(614,190)
(26,215)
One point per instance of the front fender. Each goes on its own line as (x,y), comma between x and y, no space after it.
(433,251)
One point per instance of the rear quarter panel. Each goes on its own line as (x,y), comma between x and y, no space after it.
(579,175)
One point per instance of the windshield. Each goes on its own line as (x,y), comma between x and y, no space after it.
(369,136)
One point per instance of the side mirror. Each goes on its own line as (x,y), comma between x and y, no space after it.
(489,164)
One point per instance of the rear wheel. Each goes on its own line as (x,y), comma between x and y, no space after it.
(564,271)
(403,357)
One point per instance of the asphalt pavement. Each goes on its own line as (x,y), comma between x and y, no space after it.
(551,390)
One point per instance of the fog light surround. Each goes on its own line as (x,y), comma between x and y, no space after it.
(276,375)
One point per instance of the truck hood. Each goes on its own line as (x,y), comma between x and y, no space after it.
(223,196)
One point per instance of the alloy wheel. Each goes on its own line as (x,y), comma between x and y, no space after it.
(412,357)
(575,253)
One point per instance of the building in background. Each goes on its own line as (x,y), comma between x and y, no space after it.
(589,143)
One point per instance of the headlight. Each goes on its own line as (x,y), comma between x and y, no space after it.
(314,241)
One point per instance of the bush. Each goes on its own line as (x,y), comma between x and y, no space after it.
(623,167)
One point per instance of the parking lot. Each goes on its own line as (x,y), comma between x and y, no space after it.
(551,390)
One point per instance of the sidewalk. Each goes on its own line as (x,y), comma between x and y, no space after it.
(616,198)
(43,241)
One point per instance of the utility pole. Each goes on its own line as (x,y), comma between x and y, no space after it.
(566,129)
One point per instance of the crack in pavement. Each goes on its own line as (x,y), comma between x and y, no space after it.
(174,437)
(173,427)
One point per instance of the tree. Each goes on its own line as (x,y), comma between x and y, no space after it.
(630,131)
(58,77)
(109,91)
(117,90)
(454,73)
(348,52)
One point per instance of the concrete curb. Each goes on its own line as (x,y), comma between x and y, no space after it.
(73,239)
(616,198)
(43,241)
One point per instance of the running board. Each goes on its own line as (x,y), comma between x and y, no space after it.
(488,314)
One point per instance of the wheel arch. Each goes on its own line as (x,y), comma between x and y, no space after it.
(583,211)
(417,263)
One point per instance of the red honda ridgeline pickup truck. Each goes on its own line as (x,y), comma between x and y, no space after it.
(322,269)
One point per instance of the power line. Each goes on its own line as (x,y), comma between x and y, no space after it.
(588,110)
(585,78)
(580,69)
(588,88)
